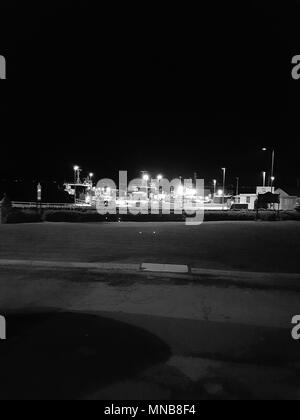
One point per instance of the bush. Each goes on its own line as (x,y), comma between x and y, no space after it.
(23,216)
(89,216)
(290,215)
(216,216)
(70,216)
(152,218)
(269,216)
(93,216)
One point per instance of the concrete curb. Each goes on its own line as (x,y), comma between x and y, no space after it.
(284,281)
(281,281)
(66,264)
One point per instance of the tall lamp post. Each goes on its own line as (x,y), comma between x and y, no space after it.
(224,184)
(39,196)
(215,187)
(39,192)
(76,169)
(272,184)
(264,174)
(237,186)
(273,164)
(76,180)
(91,176)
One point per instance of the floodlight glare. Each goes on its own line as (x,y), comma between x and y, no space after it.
(180,190)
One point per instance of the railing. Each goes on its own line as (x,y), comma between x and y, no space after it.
(66,206)
(82,205)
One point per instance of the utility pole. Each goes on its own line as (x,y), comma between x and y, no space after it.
(237,185)
(272,184)
(78,176)
(273,165)
(264,178)
(39,193)
(77,171)
(39,197)
(224,185)
(147,180)
(265,149)
(215,187)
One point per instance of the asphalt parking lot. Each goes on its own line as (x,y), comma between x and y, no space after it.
(87,332)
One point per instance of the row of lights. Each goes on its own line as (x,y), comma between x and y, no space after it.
(77,171)
(146,177)
(264,149)
(77,180)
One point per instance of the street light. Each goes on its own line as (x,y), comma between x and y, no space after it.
(237,185)
(159,179)
(215,187)
(39,192)
(146,179)
(90,179)
(76,180)
(264,178)
(224,183)
(76,169)
(273,162)
(272,183)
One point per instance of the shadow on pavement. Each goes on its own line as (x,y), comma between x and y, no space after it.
(61,355)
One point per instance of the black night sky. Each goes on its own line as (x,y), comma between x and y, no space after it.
(172,90)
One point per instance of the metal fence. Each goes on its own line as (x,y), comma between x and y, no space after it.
(59,206)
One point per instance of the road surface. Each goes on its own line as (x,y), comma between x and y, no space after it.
(180,339)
